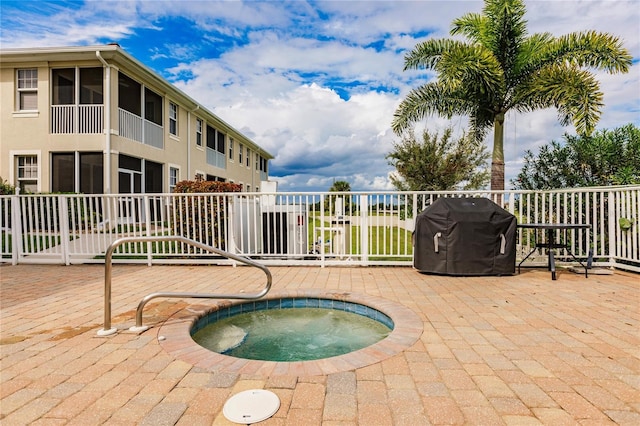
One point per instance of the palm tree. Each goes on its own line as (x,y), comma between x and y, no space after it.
(500,68)
(339,186)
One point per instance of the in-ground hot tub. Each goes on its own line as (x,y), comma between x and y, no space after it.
(175,338)
(291,329)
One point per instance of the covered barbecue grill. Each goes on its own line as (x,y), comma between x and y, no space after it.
(465,236)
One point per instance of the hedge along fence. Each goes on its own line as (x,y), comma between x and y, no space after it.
(203,217)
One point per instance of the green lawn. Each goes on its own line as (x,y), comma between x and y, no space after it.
(384,241)
(31,242)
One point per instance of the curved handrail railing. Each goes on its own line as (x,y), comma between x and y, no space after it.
(107,329)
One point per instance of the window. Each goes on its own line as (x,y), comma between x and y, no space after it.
(27,90)
(63,83)
(130,99)
(231,149)
(63,176)
(211,137)
(152,177)
(129,175)
(64,86)
(215,139)
(91,86)
(173,119)
(88,166)
(27,173)
(136,175)
(213,178)
(240,149)
(174,177)
(220,136)
(216,155)
(263,164)
(129,95)
(91,172)
(152,107)
(248,157)
(199,132)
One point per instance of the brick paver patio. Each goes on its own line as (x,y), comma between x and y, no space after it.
(492,350)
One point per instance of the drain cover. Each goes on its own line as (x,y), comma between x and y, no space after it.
(251,406)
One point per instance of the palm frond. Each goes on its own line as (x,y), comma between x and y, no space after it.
(430,98)
(531,54)
(506,26)
(473,67)
(428,53)
(480,121)
(574,92)
(595,50)
(472,25)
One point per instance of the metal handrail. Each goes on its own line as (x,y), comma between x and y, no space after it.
(107,329)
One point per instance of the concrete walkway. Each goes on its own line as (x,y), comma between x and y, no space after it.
(514,350)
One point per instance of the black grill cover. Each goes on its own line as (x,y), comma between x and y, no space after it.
(465,236)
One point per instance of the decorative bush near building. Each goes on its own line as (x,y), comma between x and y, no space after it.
(203,217)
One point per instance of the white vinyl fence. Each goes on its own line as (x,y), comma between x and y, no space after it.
(353,228)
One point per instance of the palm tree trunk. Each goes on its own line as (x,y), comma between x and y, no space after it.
(497,159)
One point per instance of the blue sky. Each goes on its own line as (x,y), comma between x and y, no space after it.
(316,83)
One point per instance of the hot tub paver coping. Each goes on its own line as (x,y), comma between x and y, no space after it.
(407,330)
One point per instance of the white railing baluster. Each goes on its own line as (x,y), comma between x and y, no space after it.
(83,119)
(624,236)
(635,218)
(129,125)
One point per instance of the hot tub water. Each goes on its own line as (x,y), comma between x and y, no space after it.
(293,334)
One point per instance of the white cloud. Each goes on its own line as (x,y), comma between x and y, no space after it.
(316,83)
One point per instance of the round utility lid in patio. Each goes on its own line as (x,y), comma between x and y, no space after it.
(251,406)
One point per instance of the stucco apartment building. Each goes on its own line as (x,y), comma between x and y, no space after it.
(94,120)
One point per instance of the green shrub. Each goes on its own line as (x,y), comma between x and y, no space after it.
(6,188)
(203,217)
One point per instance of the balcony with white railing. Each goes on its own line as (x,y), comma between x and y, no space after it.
(134,127)
(129,125)
(153,135)
(217,159)
(83,119)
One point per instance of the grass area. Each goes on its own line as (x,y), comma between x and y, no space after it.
(31,242)
(384,241)
(159,249)
(390,240)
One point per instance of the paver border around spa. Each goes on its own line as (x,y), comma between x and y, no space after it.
(408,328)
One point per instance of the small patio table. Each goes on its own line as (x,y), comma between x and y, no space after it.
(551,243)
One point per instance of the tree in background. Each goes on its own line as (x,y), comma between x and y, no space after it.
(330,202)
(608,157)
(438,163)
(340,186)
(501,68)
